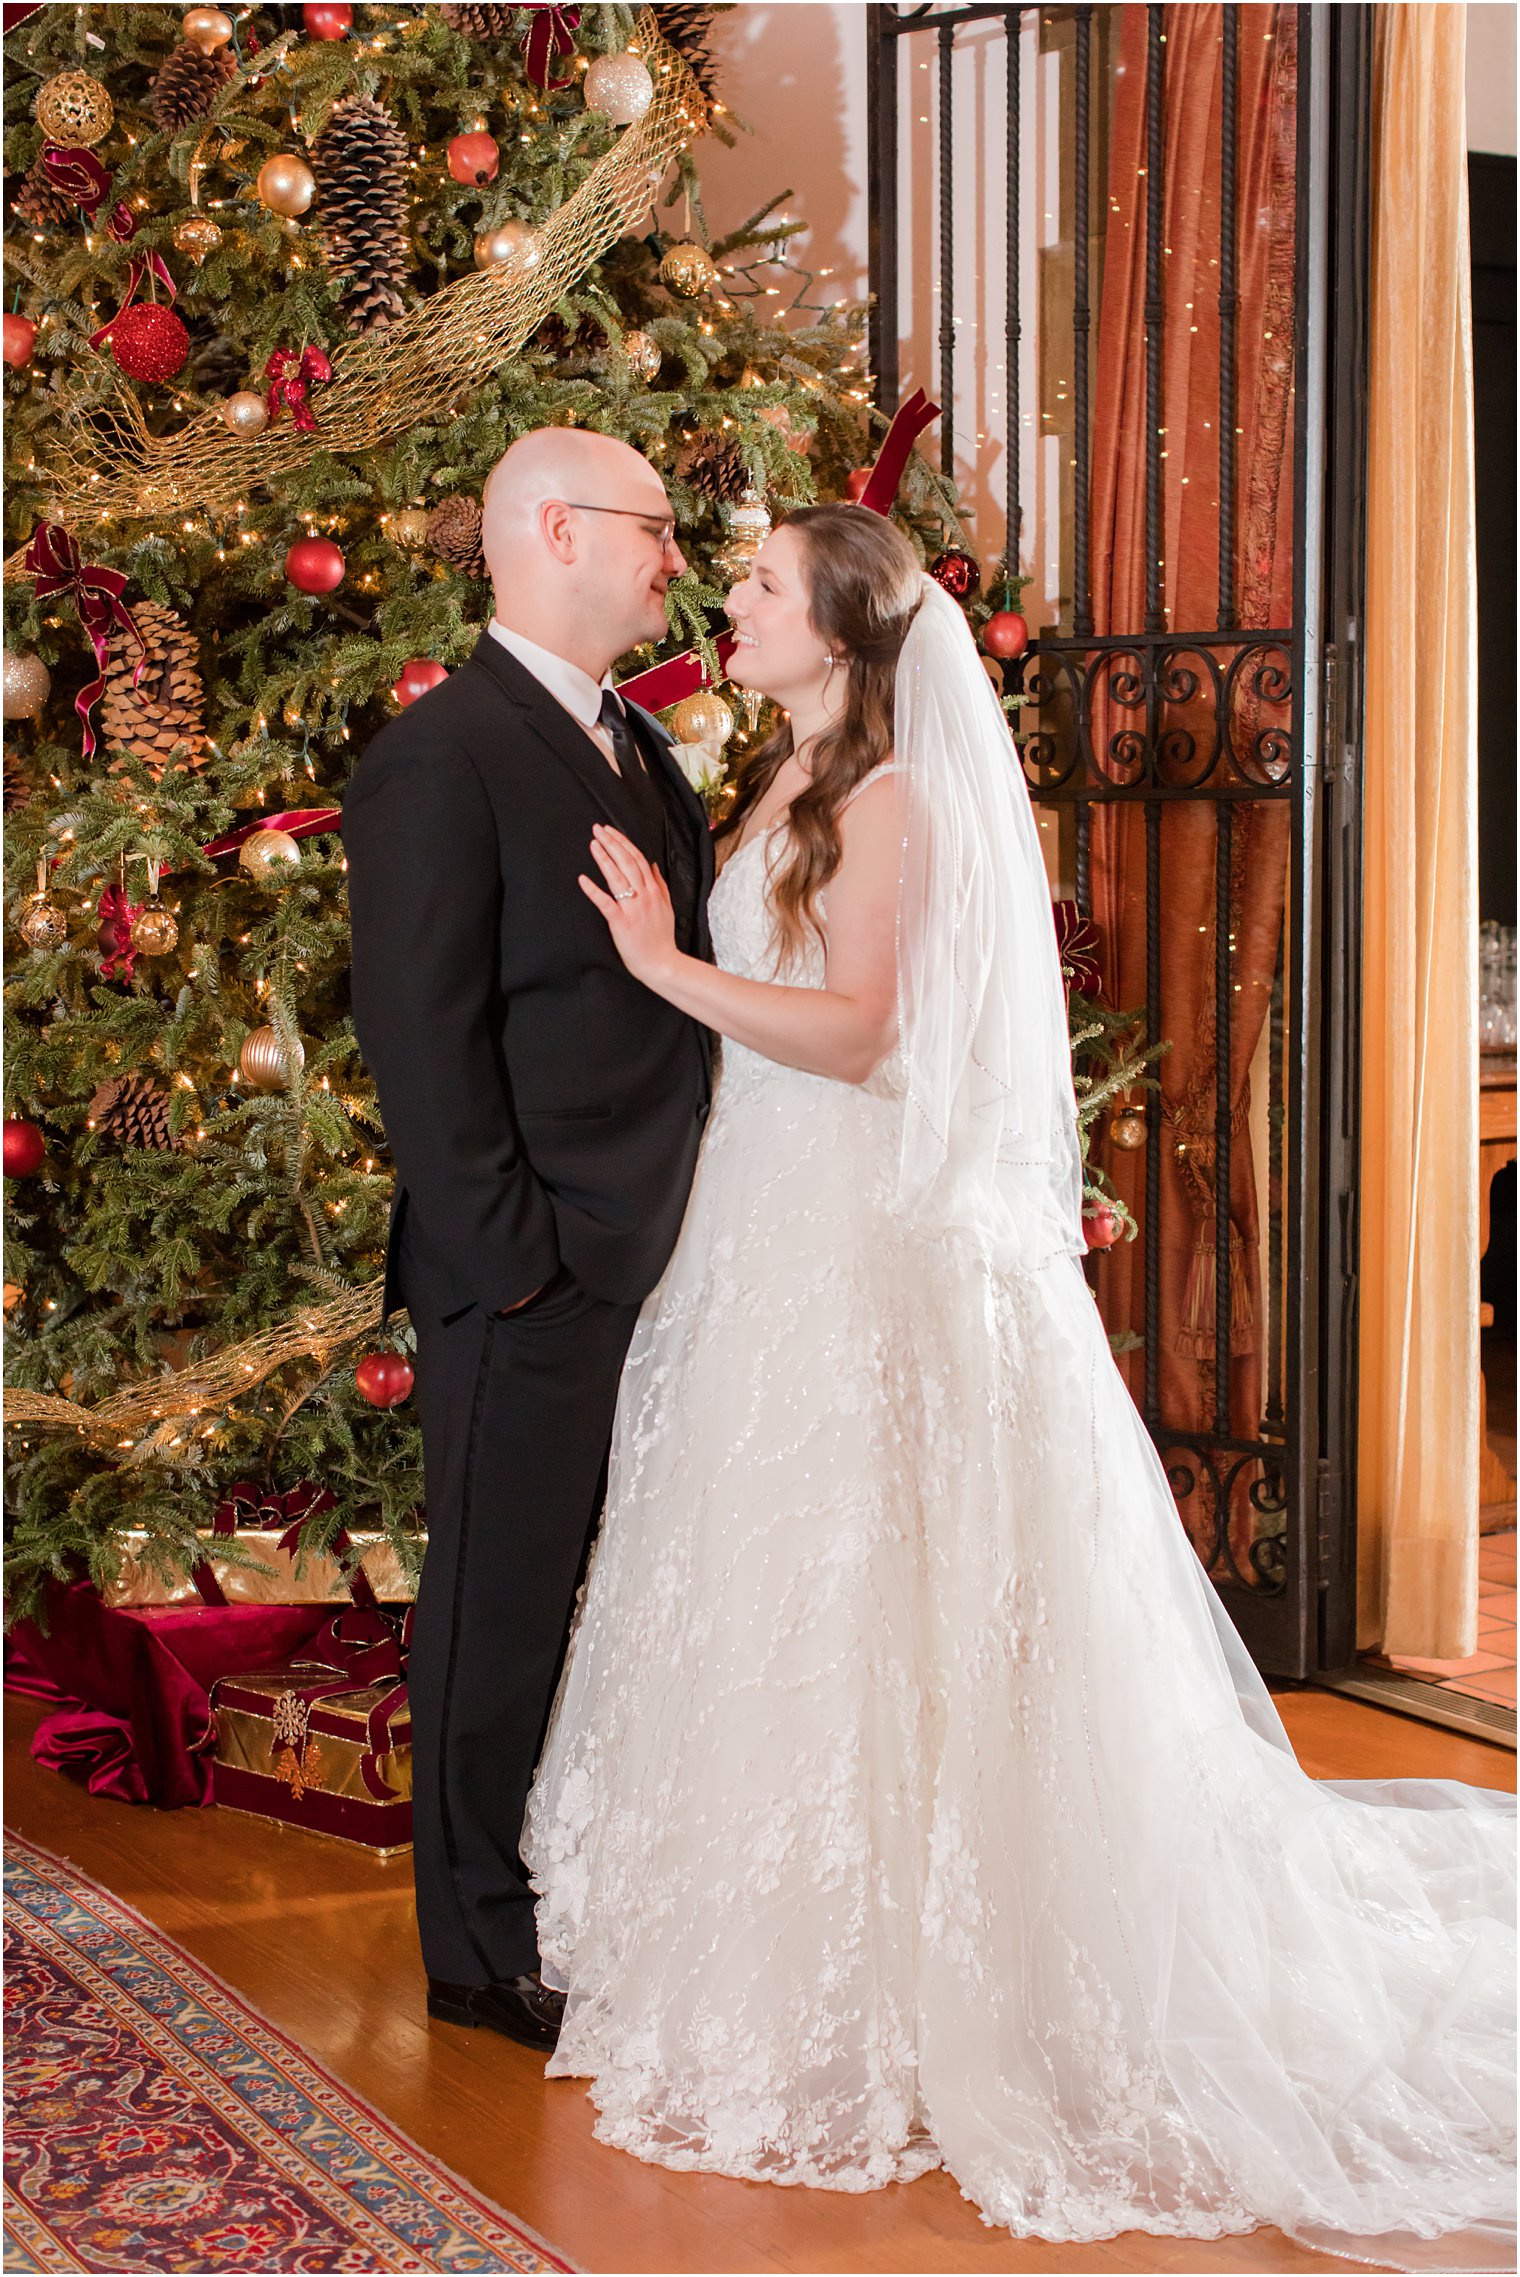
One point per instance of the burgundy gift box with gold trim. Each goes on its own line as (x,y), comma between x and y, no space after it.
(323,1741)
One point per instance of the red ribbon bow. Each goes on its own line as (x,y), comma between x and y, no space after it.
(290,377)
(56,566)
(548,37)
(142,264)
(261,1509)
(1078,942)
(360,1647)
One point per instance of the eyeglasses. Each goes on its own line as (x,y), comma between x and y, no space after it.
(664,531)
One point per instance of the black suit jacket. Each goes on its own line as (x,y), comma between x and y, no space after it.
(542,1106)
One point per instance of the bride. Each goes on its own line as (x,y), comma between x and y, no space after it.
(909,1799)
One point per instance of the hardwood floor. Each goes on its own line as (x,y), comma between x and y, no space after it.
(319,1937)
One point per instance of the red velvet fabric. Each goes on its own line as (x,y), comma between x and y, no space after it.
(132,1685)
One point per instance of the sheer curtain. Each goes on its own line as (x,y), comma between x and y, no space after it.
(1417,1443)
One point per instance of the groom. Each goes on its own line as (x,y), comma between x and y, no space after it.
(544,1111)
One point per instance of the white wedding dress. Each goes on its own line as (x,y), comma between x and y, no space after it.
(892,1815)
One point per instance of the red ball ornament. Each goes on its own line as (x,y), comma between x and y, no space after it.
(1101,1226)
(474,159)
(416,678)
(315,565)
(957,572)
(20,335)
(855,483)
(327,19)
(24,1148)
(1005,634)
(149,342)
(385,1379)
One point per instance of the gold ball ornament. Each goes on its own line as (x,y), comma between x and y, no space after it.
(42,924)
(197,238)
(246,414)
(155,930)
(643,354)
(702,718)
(510,244)
(749,525)
(206,28)
(74,109)
(286,184)
(619,86)
(264,855)
(1127,1129)
(410,526)
(27,684)
(689,269)
(261,1061)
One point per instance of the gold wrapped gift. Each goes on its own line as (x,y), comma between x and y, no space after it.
(271,1579)
(297,1743)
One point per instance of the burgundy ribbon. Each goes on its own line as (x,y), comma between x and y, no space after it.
(56,566)
(289,379)
(1078,943)
(548,37)
(665,684)
(301,822)
(142,264)
(76,174)
(361,1648)
(116,911)
(260,1509)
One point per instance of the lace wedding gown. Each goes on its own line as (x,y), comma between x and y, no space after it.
(893,1816)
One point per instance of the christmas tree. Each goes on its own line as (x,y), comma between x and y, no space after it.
(286,282)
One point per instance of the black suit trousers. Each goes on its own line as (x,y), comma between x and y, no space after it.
(516,1424)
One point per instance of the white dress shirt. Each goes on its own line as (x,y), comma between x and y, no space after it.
(566,682)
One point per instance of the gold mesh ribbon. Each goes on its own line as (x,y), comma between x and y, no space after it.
(154,1418)
(405,376)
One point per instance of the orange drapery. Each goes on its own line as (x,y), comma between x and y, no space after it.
(1267,80)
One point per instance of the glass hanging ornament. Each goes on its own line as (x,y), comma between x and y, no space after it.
(689,269)
(267,855)
(262,1061)
(74,110)
(619,86)
(42,924)
(749,525)
(155,930)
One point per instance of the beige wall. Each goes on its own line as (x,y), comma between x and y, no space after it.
(1491,76)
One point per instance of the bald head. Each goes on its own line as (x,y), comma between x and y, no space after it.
(578,581)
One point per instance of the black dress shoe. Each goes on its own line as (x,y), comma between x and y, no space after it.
(524,2008)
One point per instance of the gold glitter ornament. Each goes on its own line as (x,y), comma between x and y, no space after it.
(286,184)
(619,86)
(75,110)
(409,527)
(702,718)
(27,684)
(644,354)
(261,1061)
(246,413)
(266,854)
(206,28)
(511,244)
(688,269)
(197,238)
(1127,1129)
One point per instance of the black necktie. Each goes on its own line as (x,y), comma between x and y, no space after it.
(624,743)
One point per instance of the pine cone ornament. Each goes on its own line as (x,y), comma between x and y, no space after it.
(453,533)
(134,1110)
(481,23)
(39,203)
(572,347)
(167,706)
(188,83)
(360,161)
(686,30)
(715,466)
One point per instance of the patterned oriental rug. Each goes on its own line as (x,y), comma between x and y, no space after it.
(155,2121)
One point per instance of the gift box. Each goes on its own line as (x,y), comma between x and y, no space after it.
(323,1740)
(263,1529)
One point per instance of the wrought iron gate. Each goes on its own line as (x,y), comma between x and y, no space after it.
(1146,736)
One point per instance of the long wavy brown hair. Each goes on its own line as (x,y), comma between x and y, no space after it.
(864,585)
